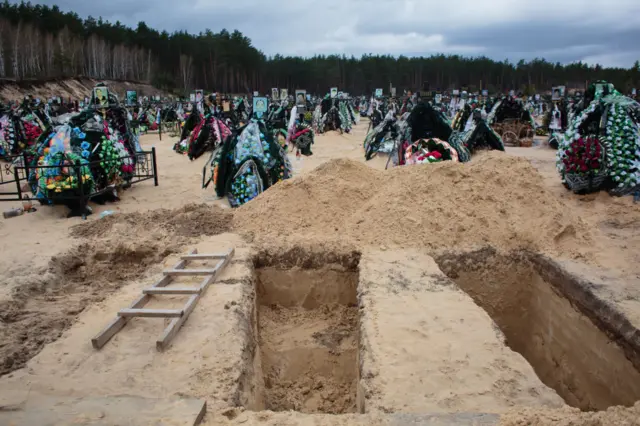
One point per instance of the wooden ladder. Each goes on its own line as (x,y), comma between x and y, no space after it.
(179,316)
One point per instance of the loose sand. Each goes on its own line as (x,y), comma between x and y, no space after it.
(308,338)
(497,199)
(113,251)
(74,88)
(58,272)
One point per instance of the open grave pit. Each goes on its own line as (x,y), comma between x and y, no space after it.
(574,341)
(307,329)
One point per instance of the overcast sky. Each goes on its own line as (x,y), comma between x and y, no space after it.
(594,31)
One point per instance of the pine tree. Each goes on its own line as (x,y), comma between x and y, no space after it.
(39,41)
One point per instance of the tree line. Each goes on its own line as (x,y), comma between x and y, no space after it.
(42,42)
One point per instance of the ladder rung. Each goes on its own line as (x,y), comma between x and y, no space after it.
(172,290)
(153,313)
(204,256)
(179,272)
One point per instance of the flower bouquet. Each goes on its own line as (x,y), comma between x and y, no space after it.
(584,165)
(52,183)
(430,151)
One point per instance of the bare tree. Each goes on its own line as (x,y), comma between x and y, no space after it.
(186,69)
(149,66)
(49,55)
(16,39)
(3,25)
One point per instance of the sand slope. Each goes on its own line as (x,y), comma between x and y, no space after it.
(497,199)
(74,88)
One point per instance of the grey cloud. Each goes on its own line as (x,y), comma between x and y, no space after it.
(535,37)
(553,40)
(280,29)
(113,10)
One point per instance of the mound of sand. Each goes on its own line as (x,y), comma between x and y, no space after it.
(569,416)
(192,220)
(118,249)
(496,200)
(75,88)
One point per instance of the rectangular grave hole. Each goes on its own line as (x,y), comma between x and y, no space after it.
(307,333)
(568,352)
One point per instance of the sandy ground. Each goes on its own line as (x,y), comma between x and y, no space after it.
(209,358)
(75,88)
(28,242)
(45,233)
(616,218)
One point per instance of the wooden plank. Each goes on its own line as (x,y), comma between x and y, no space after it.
(204,256)
(116,325)
(163,282)
(200,417)
(120,321)
(185,272)
(205,283)
(218,268)
(175,324)
(183,263)
(172,290)
(151,313)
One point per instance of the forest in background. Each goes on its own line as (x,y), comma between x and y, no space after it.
(42,42)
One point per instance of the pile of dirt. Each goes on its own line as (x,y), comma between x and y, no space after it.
(120,249)
(619,416)
(74,88)
(192,220)
(45,303)
(496,200)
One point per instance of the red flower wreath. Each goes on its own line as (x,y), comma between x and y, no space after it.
(583,156)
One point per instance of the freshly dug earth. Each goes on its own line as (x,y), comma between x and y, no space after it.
(496,200)
(192,220)
(619,416)
(308,337)
(46,302)
(309,358)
